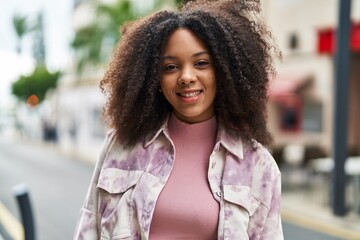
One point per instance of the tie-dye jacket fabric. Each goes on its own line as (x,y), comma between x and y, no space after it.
(127,182)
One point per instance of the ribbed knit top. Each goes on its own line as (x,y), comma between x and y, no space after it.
(186,208)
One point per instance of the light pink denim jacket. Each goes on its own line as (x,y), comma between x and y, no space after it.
(127,182)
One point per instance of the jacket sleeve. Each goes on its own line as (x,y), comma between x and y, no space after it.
(273,227)
(87,226)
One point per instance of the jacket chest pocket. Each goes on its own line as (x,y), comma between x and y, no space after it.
(239,207)
(115,203)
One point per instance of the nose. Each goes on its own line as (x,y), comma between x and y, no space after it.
(187,77)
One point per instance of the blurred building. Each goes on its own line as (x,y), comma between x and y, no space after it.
(302,95)
(79,101)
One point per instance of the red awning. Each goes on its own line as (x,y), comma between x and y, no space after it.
(286,84)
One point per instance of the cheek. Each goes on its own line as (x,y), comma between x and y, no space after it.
(213,84)
(162,82)
(166,84)
(166,89)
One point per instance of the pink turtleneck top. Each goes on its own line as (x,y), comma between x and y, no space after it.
(186,208)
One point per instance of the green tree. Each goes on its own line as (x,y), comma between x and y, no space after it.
(22,27)
(40,80)
(90,42)
(37,83)
(93,43)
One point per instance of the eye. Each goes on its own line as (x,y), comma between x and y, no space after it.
(202,63)
(169,68)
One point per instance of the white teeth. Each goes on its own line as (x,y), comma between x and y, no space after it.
(189,95)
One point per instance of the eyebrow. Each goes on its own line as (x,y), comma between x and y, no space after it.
(194,55)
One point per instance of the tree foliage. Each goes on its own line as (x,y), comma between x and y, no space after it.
(37,83)
(40,80)
(93,43)
(22,27)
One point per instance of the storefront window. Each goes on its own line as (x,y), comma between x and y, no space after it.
(290,118)
(300,116)
(312,117)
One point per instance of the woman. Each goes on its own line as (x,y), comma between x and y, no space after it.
(187,102)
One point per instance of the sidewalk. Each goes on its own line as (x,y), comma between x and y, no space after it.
(308,206)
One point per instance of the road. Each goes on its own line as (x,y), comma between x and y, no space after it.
(58,186)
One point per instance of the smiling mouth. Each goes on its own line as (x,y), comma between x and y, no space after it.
(190,95)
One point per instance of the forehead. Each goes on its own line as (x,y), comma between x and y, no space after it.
(182,40)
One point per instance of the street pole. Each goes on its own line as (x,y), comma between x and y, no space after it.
(22,195)
(341,89)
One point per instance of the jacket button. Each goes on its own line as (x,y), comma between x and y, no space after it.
(219,194)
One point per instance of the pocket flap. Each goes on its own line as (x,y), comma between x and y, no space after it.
(115,180)
(241,195)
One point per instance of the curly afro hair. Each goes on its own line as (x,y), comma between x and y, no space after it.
(242,50)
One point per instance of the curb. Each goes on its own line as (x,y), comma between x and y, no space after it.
(10,227)
(4,235)
(303,210)
(318,225)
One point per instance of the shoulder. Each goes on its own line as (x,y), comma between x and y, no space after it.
(113,151)
(137,157)
(248,156)
(261,157)
(110,138)
(251,164)
(266,176)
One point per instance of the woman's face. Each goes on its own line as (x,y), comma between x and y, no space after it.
(188,77)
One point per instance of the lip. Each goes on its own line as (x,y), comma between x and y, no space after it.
(190,95)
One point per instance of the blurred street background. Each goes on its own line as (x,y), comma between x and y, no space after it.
(53,55)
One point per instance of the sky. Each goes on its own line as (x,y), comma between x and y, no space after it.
(58,34)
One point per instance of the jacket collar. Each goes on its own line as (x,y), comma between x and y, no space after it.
(163,128)
(230,143)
